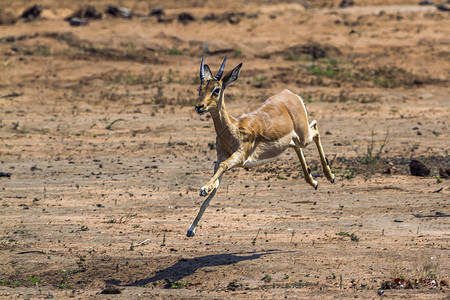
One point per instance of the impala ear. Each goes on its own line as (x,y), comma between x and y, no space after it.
(208,73)
(231,76)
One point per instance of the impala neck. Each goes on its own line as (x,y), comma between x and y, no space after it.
(224,124)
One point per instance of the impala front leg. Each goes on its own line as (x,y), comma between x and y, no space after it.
(191,230)
(210,188)
(234,160)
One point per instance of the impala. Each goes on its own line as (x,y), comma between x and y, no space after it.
(254,138)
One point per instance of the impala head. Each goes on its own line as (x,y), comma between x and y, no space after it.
(211,87)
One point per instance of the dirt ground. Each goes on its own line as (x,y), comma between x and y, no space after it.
(102,154)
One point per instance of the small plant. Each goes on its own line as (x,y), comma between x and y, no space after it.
(318,71)
(176,284)
(394,109)
(64,284)
(80,263)
(238,52)
(131,50)
(261,81)
(109,124)
(293,57)
(136,225)
(174,51)
(84,228)
(35,280)
(331,61)
(369,156)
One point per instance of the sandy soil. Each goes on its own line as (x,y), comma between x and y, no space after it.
(106,155)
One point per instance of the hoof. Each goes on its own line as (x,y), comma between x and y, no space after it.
(332,180)
(203,192)
(317,185)
(190,232)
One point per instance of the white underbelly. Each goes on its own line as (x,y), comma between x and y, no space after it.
(266,152)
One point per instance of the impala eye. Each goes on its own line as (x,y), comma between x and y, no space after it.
(216,92)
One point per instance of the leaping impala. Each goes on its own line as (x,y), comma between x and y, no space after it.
(254,138)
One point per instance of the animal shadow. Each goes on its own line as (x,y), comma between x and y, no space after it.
(185,267)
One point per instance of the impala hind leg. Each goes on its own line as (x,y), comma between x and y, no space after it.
(316,138)
(306,171)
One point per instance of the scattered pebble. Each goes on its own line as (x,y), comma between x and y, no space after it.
(31,13)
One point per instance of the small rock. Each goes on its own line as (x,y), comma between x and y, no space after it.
(157,11)
(31,13)
(119,11)
(185,18)
(91,13)
(419,133)
(418,169)
(444,172)
(4,174)
(346,3)
(443,7)
(235,18)
(88,12)
(380,292)
(78,22)
(426,2)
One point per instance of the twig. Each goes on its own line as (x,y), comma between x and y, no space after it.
(254,240)
(436,215)
(382,145)
(164,240)
(109,127)
(13,94)
(142,243)
(438,190)
(31,251)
